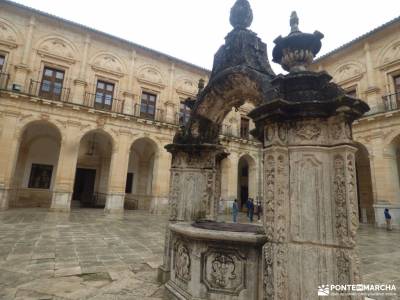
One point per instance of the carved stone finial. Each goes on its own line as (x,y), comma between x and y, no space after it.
(241,15)
(200,85)
(294,22)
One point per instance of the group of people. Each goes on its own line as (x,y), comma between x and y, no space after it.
(252,208)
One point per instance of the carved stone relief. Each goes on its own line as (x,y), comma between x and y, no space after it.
(7,34)
(339,185)
(347,71)
(151,74)
(57,47)
(182,262)
(391,53)
(352,198)
(223,271)
(269,210)
(307,130)
(108,62)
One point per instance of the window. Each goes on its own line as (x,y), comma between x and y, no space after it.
(129,183)
(184,113)
(40,177)
(148,105)
(244,128)
(52,83)
(2,62)
(104,95)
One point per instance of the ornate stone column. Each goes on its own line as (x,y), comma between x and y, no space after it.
(194,189)
(310,187)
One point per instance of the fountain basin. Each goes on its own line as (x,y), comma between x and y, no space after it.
(215,260)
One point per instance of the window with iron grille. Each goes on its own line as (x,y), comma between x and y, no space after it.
(40,177)
(148,105)
(104,95)
(184,113)
(52,84)
(244,128)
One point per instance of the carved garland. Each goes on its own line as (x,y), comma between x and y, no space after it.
(307,131)
(339,184)
(173,196)
(268,281)
(269,197)
(352,192)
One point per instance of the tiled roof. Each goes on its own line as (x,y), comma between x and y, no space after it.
(352,42)
(39,12)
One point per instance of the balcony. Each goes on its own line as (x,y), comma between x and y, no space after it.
(49,90)
(103,102)
(4,77)
(391,102)
(157,115)
(229,132)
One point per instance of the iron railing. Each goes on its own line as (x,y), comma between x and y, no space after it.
(4,77)
(391,101)
(49,91)
(98,101)
(159,114)
(228,131)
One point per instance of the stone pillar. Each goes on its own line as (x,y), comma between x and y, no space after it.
(160,184)
(192,189)
(387,186)
(10,140)
(66,168)
(311,229)
(117,176)
(22,69)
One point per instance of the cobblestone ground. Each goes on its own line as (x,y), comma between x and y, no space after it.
(89,255)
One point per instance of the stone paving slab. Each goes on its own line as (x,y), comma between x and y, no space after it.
(89,255)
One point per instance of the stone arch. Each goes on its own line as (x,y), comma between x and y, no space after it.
(107,61)
(92,176)
(364,185)
(109,134)
(143,161)
(57,45)
(349,70)
(36,164)
(9,33)
(25,123)
(151,74)
(390,53)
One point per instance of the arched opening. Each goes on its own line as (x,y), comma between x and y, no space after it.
(246,181)
(36,165)
(139,181)
(364,186)
(92,170)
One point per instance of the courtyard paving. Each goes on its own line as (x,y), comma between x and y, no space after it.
(89,255)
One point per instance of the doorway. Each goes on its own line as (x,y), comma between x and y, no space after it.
(84,187)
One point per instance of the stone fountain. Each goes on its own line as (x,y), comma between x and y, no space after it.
(310,205)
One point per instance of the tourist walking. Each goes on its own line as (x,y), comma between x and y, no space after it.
(235,211)
(388,219)
(251,210)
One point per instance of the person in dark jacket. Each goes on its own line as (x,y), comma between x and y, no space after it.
(235,210)
(251,210)
(388,219)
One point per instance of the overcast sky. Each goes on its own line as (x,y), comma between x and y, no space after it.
(193,30)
